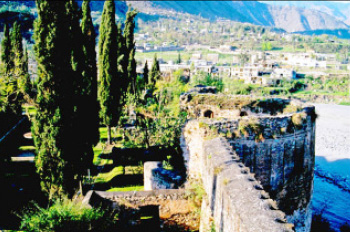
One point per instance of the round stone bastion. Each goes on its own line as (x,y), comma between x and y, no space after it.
(273,137)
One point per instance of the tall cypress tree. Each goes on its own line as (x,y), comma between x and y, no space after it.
(130,49)
(110,85)
(84,141)
(132,72)
(6,50)
(129,29)
(155,71)
(145,74)
(20,58)
(24,83)
(53,129)
(17,48)
(178,61)
(123,63)
(90,75)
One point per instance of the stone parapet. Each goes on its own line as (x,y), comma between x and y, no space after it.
(235,200)
(275,143)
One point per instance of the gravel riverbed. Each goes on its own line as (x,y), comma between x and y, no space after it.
(332,172)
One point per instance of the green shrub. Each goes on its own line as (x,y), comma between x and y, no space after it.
(66,216)
(345,228)
(344,103)
(320,224)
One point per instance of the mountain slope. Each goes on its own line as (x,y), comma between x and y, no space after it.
(290,18)
(339,10)
(299,19)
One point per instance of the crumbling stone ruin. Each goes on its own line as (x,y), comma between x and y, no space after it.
(255,157)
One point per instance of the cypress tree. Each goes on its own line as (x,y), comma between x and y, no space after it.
(24,83)
(84,139)
(145,73)
(132,72)
(130,49)
(17,48)
(110,86)
(90,75)
(123,63)
(53,129)
(178,61)
(129,29)
(6,50)
(155,71)
(20,57)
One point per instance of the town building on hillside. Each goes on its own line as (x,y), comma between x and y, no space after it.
(196,56)
(214,58)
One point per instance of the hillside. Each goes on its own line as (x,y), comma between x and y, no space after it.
(289,18)
(294,19)
(336,9)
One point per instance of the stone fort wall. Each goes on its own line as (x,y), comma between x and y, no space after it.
(276,147)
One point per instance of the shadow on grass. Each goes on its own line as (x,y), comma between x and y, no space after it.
(98,169)
(120,181)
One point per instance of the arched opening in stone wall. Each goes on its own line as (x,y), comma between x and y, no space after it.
(209,114)
(243,113)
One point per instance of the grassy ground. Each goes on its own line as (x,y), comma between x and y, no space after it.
(29,109)
(345,103)
(26,148)
(127,189)
(112,177)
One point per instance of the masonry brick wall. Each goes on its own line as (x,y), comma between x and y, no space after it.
(282,160)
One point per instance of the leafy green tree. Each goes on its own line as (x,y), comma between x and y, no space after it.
(266,46)
(110,86)
(155,71)
(53,130)
(6,50)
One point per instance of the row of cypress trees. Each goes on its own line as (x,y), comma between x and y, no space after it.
(14,61)
(117,65)
(66,125)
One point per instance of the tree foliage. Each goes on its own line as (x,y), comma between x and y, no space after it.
(110,86)
(155,71)
(11,51)
(130,49)
(20,60)
(89,92)
(54,128)
(145,74)
(6,51)
(65,215)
